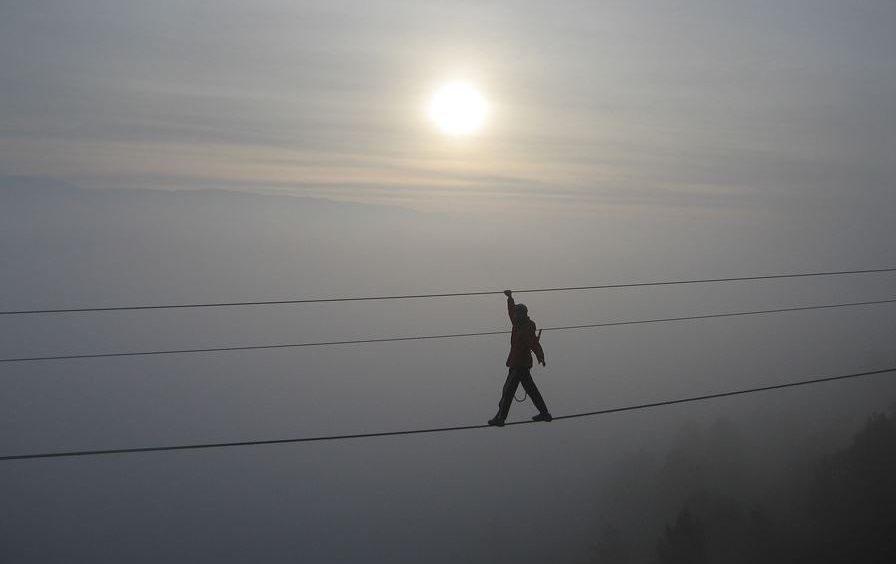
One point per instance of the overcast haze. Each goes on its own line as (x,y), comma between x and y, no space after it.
(169,152)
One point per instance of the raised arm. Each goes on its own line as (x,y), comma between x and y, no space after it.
(510,304)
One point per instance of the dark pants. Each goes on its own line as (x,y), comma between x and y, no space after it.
(515,377)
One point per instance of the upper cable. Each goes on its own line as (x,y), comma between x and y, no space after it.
(439,295)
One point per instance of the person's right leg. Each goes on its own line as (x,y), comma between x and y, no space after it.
(510,386)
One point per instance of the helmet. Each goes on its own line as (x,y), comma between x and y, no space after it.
(521,310)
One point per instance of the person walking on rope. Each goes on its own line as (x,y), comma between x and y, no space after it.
(523,342)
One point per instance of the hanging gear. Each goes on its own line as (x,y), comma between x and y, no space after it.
(537,339)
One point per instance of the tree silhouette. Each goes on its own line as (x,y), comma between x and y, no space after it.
(839,509)
(853,498)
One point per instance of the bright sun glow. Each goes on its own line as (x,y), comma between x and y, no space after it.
(458,109)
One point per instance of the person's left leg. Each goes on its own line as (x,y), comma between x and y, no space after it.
(531,389)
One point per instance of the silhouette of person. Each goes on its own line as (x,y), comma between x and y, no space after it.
(523,342)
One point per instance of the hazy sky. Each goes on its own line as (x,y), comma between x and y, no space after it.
(717,104)
(627,141)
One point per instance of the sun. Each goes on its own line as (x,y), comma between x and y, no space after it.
(458,109)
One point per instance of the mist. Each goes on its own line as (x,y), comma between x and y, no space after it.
(518,494)
(186,152)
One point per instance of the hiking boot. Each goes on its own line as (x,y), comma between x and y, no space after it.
(543,417)
(496,422)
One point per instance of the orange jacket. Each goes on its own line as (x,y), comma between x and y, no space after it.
(523,341)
